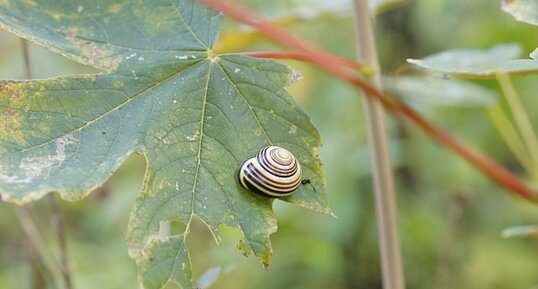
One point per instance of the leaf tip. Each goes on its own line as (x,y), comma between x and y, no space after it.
(265,266)
(243,248)
(520,231)
(414,61)
(294,76)
(534,54)
(333,215)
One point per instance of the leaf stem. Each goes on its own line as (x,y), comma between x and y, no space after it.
(510,136)
(384,192)
(493,170)
(521,119)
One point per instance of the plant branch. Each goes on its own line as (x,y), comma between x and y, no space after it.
(26,57)
(493,170)
(456,205)
(35,244)
(511,137)
(58,226)
(384,192)
(33,239)
(56,218)
(521,119)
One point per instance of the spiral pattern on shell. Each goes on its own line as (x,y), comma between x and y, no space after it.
(274,172)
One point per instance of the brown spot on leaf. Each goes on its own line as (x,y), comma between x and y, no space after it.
(10,126)
(56,16)
(72,34)
(8,114)
(95,55)
(10,90)
(115,8)
(30,2)
(92,53)
(44,128)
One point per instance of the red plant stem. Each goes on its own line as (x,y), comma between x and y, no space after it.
(299,56)
(326,61)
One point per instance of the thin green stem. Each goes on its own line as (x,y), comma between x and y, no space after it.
(511,137)
(521,119)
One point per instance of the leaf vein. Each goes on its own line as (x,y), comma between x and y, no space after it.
(122,104)
(247,103)
(182,19)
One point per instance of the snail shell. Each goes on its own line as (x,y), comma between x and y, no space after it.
(273,172)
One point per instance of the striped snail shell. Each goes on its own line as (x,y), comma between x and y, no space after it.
(273,172)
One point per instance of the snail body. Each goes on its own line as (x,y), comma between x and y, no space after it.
(274,172)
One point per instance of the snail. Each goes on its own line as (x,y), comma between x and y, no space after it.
(273,172)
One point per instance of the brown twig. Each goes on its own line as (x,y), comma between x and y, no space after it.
(496,172)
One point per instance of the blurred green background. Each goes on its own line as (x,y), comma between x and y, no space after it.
(450,215)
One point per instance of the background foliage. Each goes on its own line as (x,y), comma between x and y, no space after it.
(450,215)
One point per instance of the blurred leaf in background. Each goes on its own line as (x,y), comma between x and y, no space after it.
(476,63)
(523,231)
(432,91)
(522,10)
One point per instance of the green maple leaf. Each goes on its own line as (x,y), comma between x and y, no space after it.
(474,63)
(163,93)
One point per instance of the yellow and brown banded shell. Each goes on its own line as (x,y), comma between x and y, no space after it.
(274,172)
